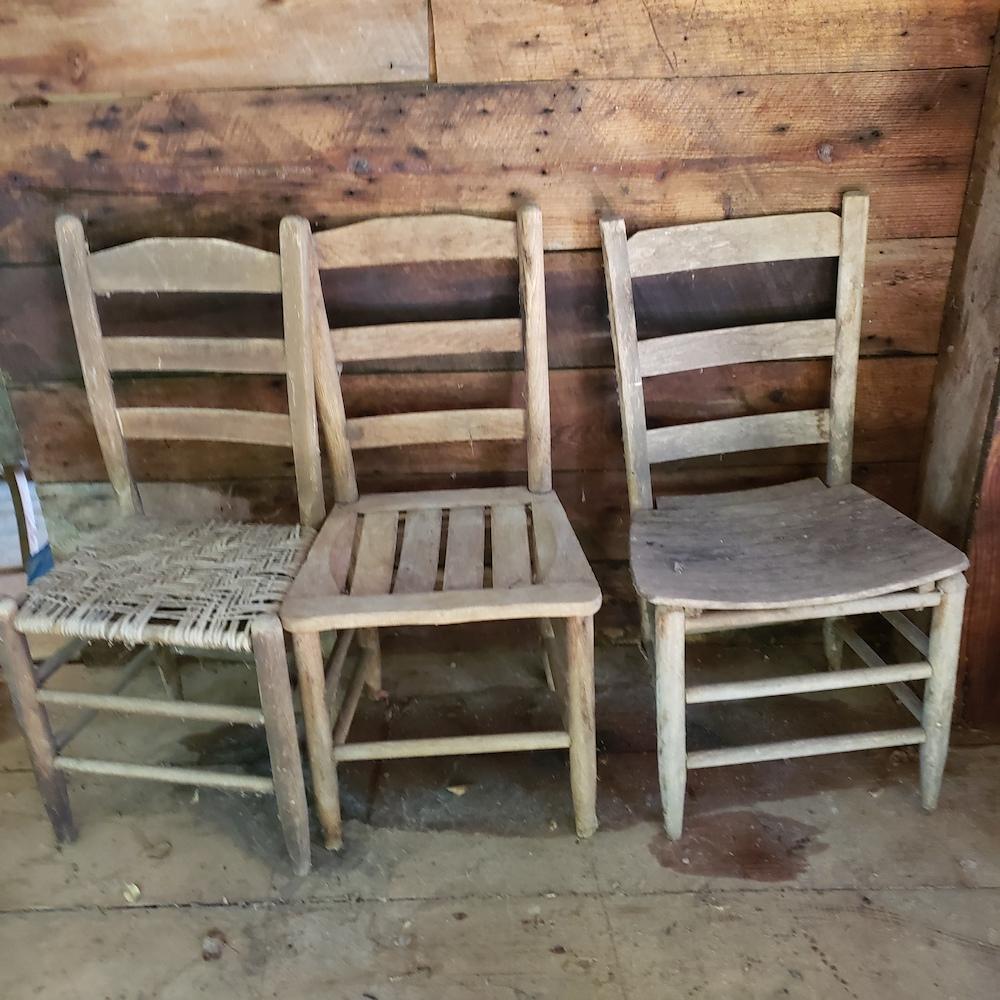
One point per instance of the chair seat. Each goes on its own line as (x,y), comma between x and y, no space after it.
(442,558)
(147,580)
(793,545)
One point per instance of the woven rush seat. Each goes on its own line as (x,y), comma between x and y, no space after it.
(175,583)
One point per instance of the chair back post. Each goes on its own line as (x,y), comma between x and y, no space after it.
(74,255)
(531,267)
(844,378)
(618,278)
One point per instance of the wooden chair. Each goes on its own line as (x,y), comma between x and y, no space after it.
(472,555)
(150,582)
(799,551)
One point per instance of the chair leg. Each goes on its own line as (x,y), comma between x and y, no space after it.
(268,641)
(369,641)
(34,721)
(833,644)
(580,722)
(547,636)
(319,738)
(671,745)
(939,690)
(646,629)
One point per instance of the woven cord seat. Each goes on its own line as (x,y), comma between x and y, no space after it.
(146,580)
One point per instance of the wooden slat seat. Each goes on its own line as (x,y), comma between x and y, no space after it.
(799,545)
(443,574)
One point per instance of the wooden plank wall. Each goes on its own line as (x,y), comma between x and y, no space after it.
(661,110)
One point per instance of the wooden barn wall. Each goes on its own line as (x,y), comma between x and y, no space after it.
(237,113)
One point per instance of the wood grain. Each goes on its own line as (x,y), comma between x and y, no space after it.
(477,40)
(892,402)
(51,49)
(665,151)
(905,284)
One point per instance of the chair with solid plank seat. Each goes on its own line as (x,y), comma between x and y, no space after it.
(436,558)
(793,552)
(152,582)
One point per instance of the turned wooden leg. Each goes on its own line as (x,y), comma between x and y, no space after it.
(833,644)
(671,743)
(34,722)
(369,641)
(939,689)
(268,642)
(580,722)
(319,738)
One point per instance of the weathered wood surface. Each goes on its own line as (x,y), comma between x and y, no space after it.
(53,49)
(905,284)
(892,401)
(804,548)
(664,151)
(478,40)
(964,401)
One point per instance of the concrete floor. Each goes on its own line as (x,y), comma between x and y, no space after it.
(814,878)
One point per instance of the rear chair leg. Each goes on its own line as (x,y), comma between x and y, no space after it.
(369,641)
(34,721)
(939,690)
(833,644)
(319,738)
(580,720)
(671,744)
(268,642)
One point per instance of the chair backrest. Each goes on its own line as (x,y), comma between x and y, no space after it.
(418,239)
(719,244)
(188,265)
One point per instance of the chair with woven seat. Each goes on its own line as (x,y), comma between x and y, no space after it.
(793,552)
(152,582)
(435,558)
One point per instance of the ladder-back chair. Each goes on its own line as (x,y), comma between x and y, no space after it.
(435,558)
(794,552)
(153,582)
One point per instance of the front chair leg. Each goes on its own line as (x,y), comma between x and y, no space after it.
(671,743)
(580,722)
(939,690)
(34,722)
(319,737)
(268,642)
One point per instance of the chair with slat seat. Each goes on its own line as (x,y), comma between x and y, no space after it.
(152,582)
(435,558)
(793,552)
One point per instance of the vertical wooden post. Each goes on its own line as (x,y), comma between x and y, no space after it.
(580,721)
(671,740)
(34,722)
(268,641)
(531,263)
(73,255)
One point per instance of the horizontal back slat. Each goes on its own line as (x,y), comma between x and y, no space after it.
(416,340)
(715,437)
(736,345)
(734,241)
(164,423)
(415,239)
(436,427)
(188,264)
(247,356)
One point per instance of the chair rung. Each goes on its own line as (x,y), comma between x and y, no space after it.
(446,746)
(804,748)
(699,694)
(166,773)
(908,630)
(901,691)
(185,710)
(62,656)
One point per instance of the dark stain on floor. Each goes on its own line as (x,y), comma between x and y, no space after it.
(743,844)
